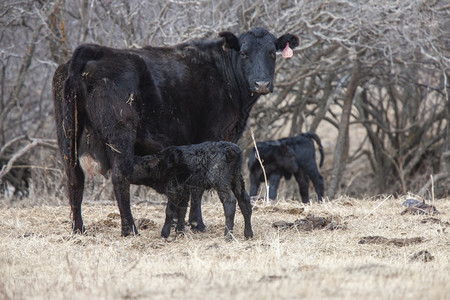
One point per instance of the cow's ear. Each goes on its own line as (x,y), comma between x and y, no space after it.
(293,40)
(230,40)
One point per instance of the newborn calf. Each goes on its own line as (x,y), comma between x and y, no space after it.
(176,170)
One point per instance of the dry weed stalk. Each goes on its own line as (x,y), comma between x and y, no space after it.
(262,167)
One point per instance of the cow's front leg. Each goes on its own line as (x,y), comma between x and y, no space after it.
(195,212)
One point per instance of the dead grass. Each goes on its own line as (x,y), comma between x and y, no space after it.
(39,258)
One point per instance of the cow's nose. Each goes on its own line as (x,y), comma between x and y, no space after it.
(262,87)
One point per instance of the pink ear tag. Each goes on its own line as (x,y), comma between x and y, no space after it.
(287,52)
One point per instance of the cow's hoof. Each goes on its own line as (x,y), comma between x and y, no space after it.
(126,231)
(229,235)
(248,234)
(79,231)
(78,228)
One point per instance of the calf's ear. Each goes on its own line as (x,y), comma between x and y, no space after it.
(230,40)
(282,41)
(151,160)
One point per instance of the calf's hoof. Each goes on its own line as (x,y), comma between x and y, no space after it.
(198,226)
(165,232)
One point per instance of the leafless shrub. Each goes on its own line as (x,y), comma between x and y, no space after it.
(383,65)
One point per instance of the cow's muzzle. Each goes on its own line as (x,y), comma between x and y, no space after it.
(262,87)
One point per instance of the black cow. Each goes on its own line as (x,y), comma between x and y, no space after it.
(177,170)
(140,101)
(274,161)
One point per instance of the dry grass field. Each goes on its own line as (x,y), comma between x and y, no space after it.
(353,249)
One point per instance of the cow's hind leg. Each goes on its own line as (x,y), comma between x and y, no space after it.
(122,172)
(195,212)
(75,188)
(122,192)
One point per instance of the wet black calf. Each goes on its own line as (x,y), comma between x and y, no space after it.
(274,161)
(177,170)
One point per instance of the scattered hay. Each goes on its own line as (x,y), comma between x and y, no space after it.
(110,223)
(435,221)
(276,209)
(423,255)
(415,207)
(113,216)
(380,240)
(145,223)
(311,222)
(270,278)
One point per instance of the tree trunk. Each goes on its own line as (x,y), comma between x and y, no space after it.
(446,154)
(341,150)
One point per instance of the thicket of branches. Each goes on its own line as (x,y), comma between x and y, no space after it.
(382,66)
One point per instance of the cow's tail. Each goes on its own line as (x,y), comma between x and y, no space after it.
(315,137)
(73,98)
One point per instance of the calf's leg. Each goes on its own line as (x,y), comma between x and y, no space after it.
(303,185)
(229,208)
(274,182)
(181,210)
(254,183)
(245,206)
(170,213)
(195,212)
(317,179)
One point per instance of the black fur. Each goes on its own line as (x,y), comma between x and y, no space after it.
(276,166)
(140,101)
(177,170)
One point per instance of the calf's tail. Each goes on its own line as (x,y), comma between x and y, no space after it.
(315,137)
(72,99)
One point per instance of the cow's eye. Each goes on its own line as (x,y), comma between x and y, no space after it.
(244,54)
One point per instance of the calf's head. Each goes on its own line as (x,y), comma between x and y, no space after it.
(256,55)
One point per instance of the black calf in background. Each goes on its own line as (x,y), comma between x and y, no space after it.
(305,157)
(278,160)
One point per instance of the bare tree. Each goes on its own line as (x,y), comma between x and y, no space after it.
(380,65)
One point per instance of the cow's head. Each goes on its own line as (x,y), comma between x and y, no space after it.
(256,49)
